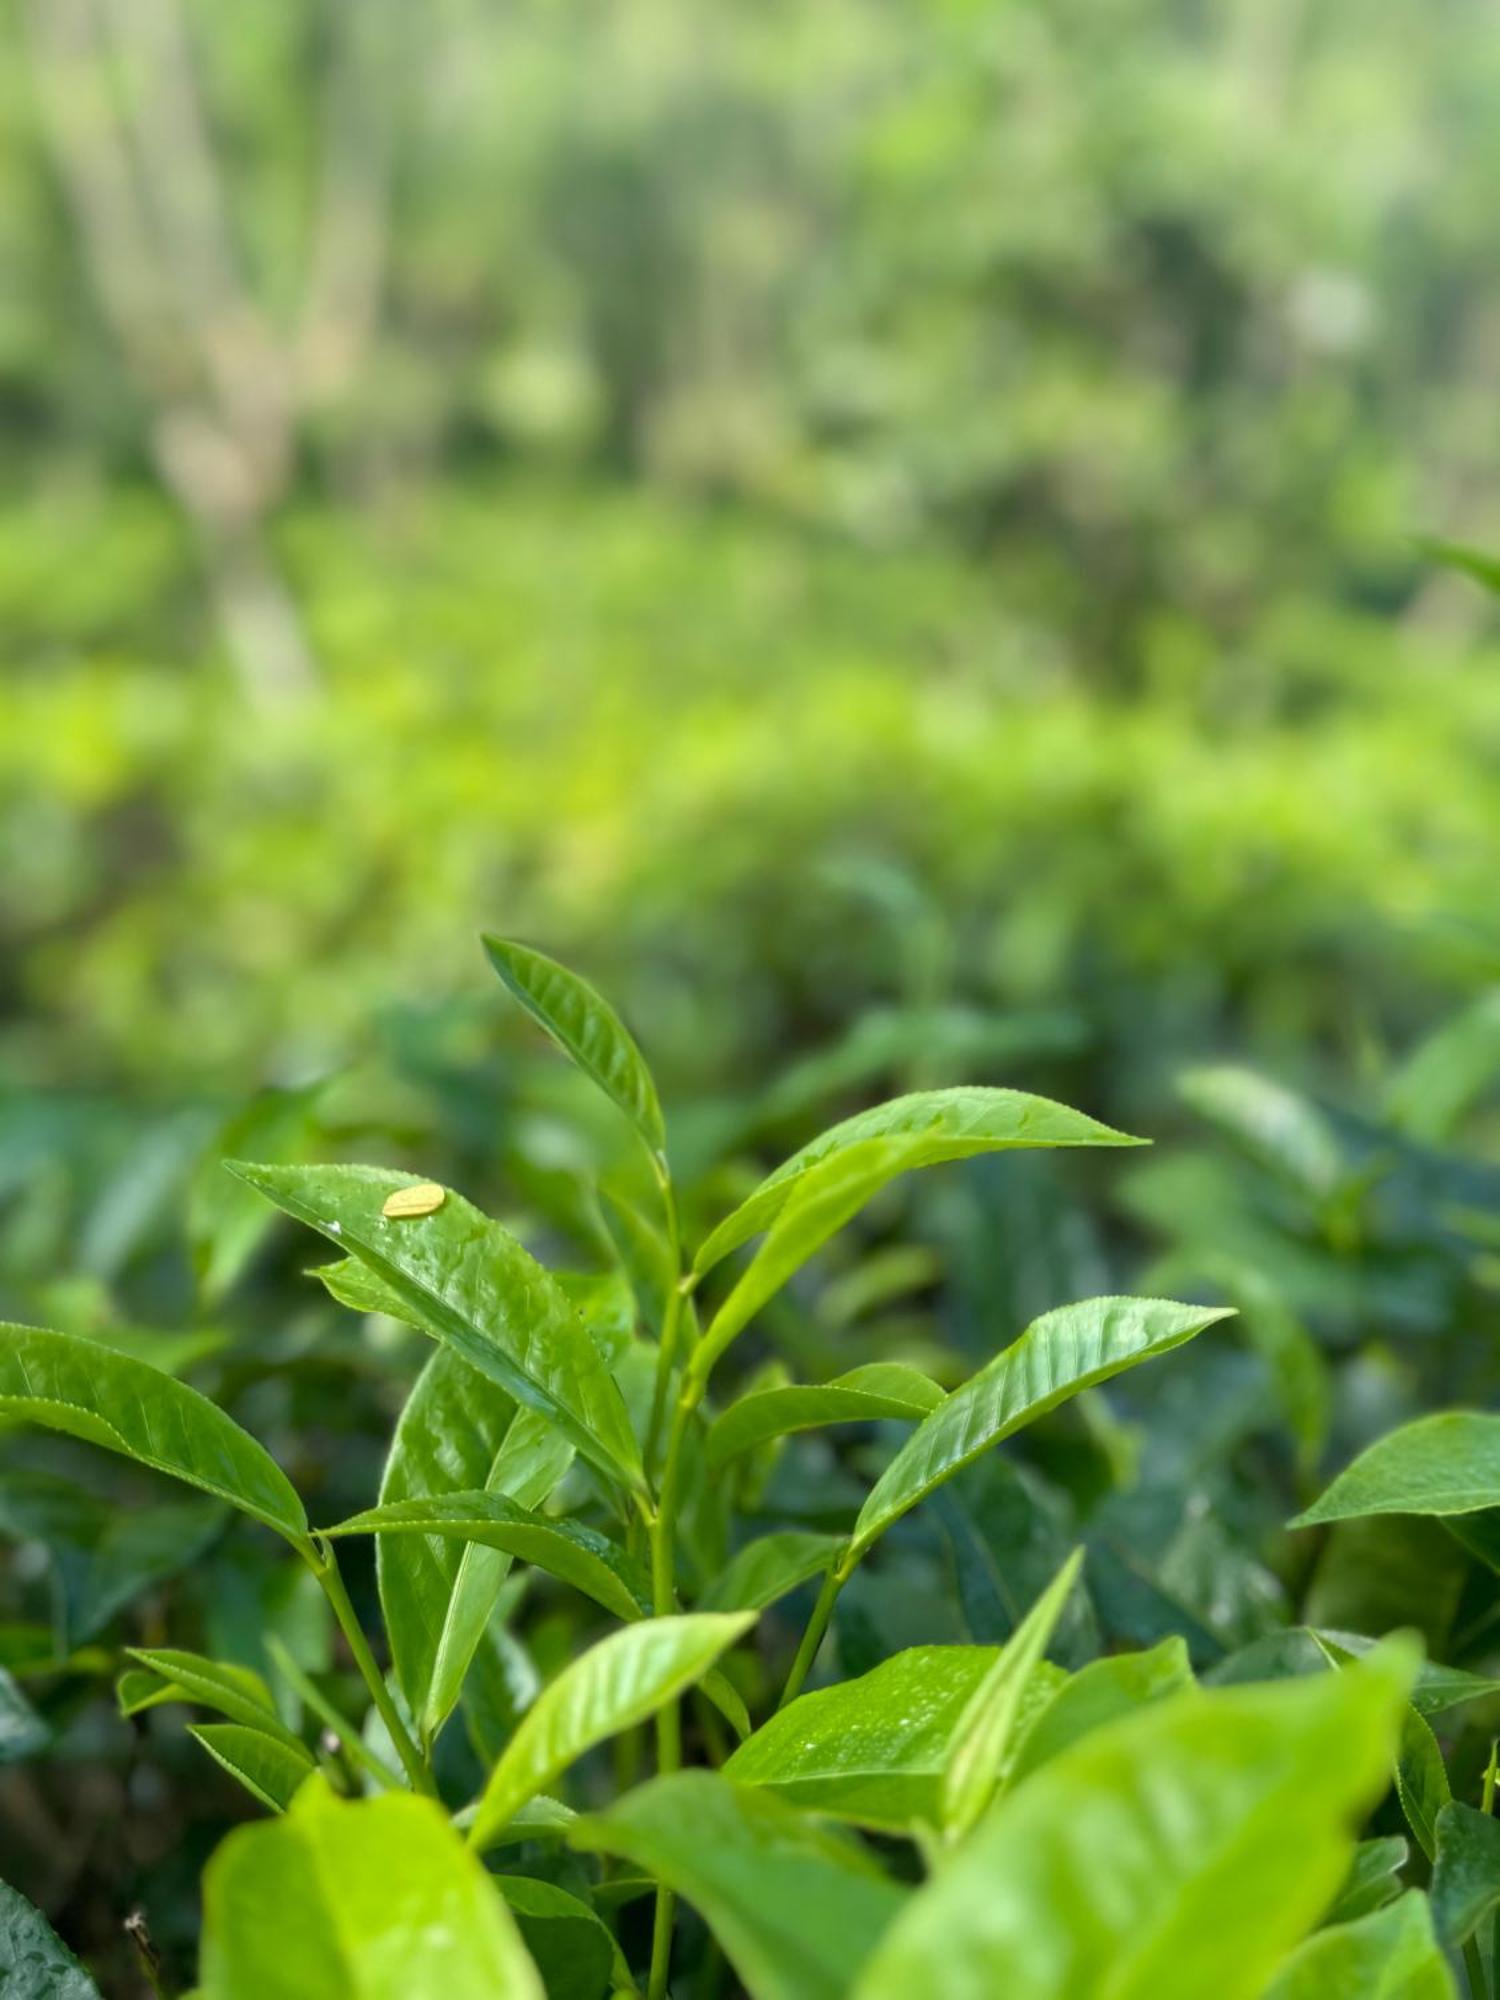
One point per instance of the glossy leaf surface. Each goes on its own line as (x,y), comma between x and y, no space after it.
(271,1768)
(873,1750)
(472,1285)
(1221,1824)
(69,1384)
(566,1549)
(615,1684)
(952,1124)
(1059,1354)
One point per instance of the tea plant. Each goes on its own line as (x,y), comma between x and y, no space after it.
(570,1545)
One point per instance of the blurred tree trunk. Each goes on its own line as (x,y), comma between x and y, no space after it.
(226,391)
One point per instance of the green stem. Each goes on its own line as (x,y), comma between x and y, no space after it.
(1474,1966)
(817,1625)
(326,1570)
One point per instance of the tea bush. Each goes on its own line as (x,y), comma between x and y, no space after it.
(709,1638)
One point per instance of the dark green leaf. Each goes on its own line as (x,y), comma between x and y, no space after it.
(1466,1870)
(1421,1780)
(69,1384)
(796,1911)
(471,1284)
(271,1768)
(768,1568)
(579,1555)
(34,1962)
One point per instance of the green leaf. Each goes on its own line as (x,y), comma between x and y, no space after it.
(457,1433)
(1421,1780)
(22,1731)
(816,1207)
(1373,1881)
(951,1124)
(584,1026)
(865,1395)
(1064,1351)
(34,1962)
(1466,1871)
(1438,1688)
(1178,1853)
(574,1950)
(1447,1464)
(355,1285)
(377,1900)
(615,1684)
(271,1768)
(1098,1694)
(470,1284)
(576,1554)
(796,1910)
(1391,1955)
(66,1383)
(1475,563)
(873,1750)
(977,1753)
(1430,1092)
(234,1691)
(1280,1126)
(768,1568)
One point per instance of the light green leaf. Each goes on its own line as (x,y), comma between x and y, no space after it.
(469,1282)
(951,1124)
(66,1383)
(377,1900)
(1391,1955)
(574,1950)
(873,1750)
(457,1433)
(1466,1870)
(584,1026)
(1447,1464)
(796,1910)
(768,1568)
(35,1964)
(1064,1351)
(1421,1780)
(977,1753)
(615,1684)
(234,1691)
(879,1390)
(1437,1083)
(1178,1853)
(1476,563)
(271,1768)
(1098,1694)
(578,1555)
(355,1285)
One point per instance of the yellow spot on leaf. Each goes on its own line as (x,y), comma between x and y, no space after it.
(422,1199)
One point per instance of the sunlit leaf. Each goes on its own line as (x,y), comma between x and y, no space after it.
(880,1389)
(235,1692)
(271,1768)
(620,1681)
(1062,1352)
(1447,1464)
(1098,1694)
(1391,1955)
(377,1900)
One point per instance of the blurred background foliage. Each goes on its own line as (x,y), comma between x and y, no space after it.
(891,536)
